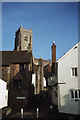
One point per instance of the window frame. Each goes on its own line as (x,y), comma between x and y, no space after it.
(74,71)
(74,95)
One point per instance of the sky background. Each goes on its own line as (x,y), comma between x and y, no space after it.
(50,21)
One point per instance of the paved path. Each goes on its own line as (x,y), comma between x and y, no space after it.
(41,102)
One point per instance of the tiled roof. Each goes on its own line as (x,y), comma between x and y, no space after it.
(9,57)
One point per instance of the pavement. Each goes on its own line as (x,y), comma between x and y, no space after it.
(45,110)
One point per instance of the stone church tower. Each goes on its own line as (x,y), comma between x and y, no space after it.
(23,39)
(23,42)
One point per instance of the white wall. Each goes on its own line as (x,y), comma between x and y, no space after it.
(3,94)
(79,74)
(65,104)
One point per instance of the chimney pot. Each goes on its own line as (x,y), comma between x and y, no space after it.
(54,43)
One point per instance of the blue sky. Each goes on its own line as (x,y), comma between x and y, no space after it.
(50,21)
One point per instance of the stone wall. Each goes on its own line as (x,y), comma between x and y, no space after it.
(39,83)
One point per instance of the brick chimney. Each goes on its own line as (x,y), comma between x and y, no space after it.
(53,58)
(53,52)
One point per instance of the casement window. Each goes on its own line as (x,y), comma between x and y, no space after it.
(17,84)
(75,94)
(74,71)
(72,94)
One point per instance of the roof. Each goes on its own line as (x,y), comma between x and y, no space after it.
(9,57)
(43,60)
(75,46)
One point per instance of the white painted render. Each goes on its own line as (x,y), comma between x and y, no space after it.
(67,82)
(3,94)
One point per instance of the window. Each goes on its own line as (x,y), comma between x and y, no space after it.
(17,84)
(74,71)
(26,38)
(72,94)
(21,66)
(79,93)
(75,94)
(30,39)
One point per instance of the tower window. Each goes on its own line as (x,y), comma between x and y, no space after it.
(26,38)
(30,38)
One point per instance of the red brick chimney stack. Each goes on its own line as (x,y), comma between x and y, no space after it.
(53,52)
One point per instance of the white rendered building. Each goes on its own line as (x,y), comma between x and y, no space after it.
(65,84)
(3,94)
(68,74)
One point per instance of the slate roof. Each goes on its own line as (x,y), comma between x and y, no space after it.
(15,57)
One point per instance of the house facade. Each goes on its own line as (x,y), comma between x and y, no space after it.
(64,81)
(68,81)
(3,94)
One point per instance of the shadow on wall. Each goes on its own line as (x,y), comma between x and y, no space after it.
(68,105)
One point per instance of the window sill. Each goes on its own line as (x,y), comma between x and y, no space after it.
(74,76)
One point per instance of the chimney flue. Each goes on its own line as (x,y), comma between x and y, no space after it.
(53,52)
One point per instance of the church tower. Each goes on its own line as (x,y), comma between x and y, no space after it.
(23,39)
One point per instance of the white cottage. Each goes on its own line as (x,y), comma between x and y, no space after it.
(3,94)
(68,82)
